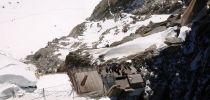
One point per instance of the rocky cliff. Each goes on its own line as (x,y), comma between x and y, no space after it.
(173,60)
(112,23)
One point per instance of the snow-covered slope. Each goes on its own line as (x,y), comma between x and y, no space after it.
(15,72)
(135,46)
(101,33)
(119,37)
(27,25)
(15,76)
(8,90)
(54,87)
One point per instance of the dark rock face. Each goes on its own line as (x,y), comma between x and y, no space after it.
(107,8)
(78,30)
(173,40)
(76,59)
(143,30)
(158,7)
(45,59)
(186,2)
(110,8)
(158,27)
(183,71)
(152,28)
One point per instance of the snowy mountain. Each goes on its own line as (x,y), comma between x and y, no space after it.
(147,33)
(26,26)
(121,33)
(167,43)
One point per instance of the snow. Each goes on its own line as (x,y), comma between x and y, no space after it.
(56,87)
(64,50)
(7,90)
(96,31)
(100,33)
(135,46)
(180,1)
(14,75)
(183,32)
(54,80)
(159,18)
(27,25)
(15,72)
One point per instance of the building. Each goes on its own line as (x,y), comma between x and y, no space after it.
(86,81)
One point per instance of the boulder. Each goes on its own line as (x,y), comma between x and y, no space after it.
(173,40)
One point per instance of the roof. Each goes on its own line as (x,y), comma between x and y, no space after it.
(123,83)
(135,78)
(87,82)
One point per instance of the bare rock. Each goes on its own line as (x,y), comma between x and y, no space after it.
(173,40)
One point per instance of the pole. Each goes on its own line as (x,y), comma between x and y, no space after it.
(43,93)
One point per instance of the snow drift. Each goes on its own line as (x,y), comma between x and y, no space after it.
(15,72)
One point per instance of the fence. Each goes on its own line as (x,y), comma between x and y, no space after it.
(42,94)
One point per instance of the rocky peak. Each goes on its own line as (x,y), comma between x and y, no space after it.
(110,8)
(107,8)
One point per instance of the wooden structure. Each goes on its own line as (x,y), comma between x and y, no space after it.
(135,80)
(86,81)
(114,82)
(129,84)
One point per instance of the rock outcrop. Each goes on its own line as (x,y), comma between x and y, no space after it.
(178,71)
(126,12)
(108,8)
(181,72)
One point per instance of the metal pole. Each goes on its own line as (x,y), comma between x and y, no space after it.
(43,93)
